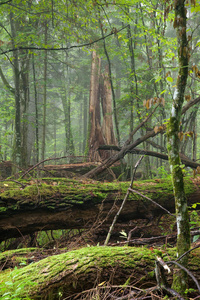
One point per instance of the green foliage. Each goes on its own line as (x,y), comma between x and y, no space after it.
(194,221)
(9,291)
(162,172)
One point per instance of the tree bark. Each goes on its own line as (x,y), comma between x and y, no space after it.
(95,131)
(36,111)
(45,95)
(106,100)
(65,204)
(180,281)
(73,272)
(109,70)
(17,155)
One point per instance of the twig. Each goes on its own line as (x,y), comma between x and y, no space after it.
(186,270)
(153,239)
(123,203)
(161,278)
(134,191)
(41,162)
(173,293)
(18,182)
(197,246)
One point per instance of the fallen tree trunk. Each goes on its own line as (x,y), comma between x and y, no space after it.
(128,146)
(184,159)
(52,204)
(60,276)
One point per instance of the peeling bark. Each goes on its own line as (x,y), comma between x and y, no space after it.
(95,132)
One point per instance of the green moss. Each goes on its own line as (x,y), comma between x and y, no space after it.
(76,262)
(36,277)
(48,190)
(10,253)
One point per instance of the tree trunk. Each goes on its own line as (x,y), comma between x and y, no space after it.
(95,132)
(106,98)
(64,204)
(111,87)
(44,96)
(36,111)
(25,99)
(85,121)
(17,157)
(180,281)
(63,275)
(69,140)
(66,102)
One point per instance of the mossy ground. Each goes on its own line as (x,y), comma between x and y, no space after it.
(35,277)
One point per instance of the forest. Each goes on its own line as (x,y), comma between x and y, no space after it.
(99,149)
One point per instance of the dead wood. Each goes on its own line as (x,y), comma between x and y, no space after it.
(128,146)
(185,160)
(154,240)
(67,204)
(86,268)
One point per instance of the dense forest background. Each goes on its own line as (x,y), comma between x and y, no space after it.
(86,85)
(79,74)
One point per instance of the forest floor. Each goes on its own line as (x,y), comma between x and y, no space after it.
(152,233)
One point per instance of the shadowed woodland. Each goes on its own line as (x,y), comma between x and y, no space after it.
(99,150)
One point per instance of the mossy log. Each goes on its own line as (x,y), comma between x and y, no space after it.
(66,204)
(60,276)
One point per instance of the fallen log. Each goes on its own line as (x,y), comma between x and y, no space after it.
(60,276)
(128,146)
(184,159)
(51,204)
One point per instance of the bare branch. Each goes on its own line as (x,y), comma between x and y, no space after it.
(127,148)
(41,162)
(186,270)
(185,160)
(123,203)
(114,31)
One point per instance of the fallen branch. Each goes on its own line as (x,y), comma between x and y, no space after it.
(136,192)
(129,147)
(185,160)
(154,239)
(41,162)
(186,270)
(123,203)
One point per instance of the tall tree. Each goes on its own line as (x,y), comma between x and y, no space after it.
(173,128)
(17,157)
(45,93)
(106,100)
(95,132)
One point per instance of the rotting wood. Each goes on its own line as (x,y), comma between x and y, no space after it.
(66,204)
(85,268)
(128,146)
